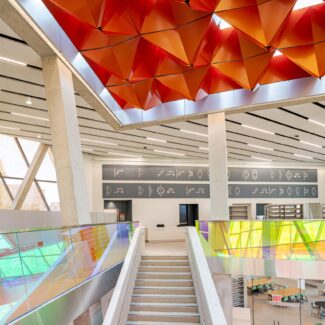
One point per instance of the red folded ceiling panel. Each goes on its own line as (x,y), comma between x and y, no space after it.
(148,52)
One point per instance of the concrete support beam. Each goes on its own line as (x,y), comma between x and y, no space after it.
(219,208)
(66,143)
(30,176)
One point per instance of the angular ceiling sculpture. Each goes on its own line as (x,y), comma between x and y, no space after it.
(147,52)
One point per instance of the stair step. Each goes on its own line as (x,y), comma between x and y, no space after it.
(163,290)
(164,263)
(191,304)
(163,283)
(164,307)
(169,269)
(163,257)
(158,298)
(155,323)
(164,275)
(164,316)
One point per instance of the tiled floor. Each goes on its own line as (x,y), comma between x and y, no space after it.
(165,248)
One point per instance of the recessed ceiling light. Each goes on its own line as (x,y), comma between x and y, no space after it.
(302,156)
(12,61)
(170,152)
(29,101)
(157,140)
(311,144)
(256,129)
(259,158)
(9,128)
(259,147)
(195,133)
(316,122)
(306,3)
(30,116)
(123,155)
(97,141)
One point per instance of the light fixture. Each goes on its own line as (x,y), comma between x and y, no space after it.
(30,116)
(170,152)
(260,147)
(123,155)
(9,128)
(316,122)
(310,144)
(256,129)
(277,53)
(306,3)
(12,61)
(97,141)
(203,148)
(195,133)
(157,140)
(302,156)
(29,101)
(259,158)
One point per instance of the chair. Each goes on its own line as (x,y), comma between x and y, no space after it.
(315,310)
(260,289)
(292,298)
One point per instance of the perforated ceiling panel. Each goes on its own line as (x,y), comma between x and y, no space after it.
(151,51)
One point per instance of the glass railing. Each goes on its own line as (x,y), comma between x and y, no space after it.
(267,239)
(39,264)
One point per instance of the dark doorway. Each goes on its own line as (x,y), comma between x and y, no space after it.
(188,213)
(260,210)
(123,209)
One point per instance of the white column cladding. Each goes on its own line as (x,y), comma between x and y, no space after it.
(219,208)
(66,143)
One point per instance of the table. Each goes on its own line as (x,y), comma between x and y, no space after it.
(262,281)
(277,295)
(320,304)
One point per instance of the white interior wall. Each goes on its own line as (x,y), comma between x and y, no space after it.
(152,211)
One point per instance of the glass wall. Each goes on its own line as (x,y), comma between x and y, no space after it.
(36,266)
(16,155)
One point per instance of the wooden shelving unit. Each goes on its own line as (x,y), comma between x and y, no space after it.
(284,211)
(238,212)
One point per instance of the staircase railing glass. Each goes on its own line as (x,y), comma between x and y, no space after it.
(37,265)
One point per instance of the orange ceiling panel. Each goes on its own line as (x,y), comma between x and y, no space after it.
(260,21)
(148,52)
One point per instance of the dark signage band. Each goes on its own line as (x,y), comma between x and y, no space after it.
(272,175)
(163,191)
(186,173)
(276,191)
(154,173)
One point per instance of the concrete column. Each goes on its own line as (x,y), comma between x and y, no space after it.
(66,141)
(219,207)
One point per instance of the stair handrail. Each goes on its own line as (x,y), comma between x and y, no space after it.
(210,308)
(118,308)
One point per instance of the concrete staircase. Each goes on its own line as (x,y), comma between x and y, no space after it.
(164,292)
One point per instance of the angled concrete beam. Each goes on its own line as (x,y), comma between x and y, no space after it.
(30,176)
(66,144)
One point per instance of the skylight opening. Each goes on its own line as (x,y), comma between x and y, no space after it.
(220,22)
(306,3)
